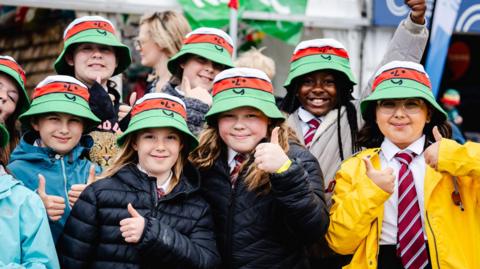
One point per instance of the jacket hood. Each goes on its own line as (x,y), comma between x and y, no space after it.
(7,182)
(28,152)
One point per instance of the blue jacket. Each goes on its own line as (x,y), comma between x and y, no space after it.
(26,241)
(60,172)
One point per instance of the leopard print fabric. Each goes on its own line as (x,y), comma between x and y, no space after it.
(104,148)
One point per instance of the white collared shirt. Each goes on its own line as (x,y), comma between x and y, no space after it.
(165,184)
(231,159)
(417,166)
(179,91)
(305,117)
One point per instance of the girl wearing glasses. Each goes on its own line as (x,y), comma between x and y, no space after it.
(400,203)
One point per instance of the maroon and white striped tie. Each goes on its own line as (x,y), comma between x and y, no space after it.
(239,159)
(411,247)
(313,126)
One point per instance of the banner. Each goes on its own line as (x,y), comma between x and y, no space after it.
(442,27)
(215,13)
(391,12)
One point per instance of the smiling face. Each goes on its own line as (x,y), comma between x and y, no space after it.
(9,97)
(317,93)
(242,128)
(402,120)
(200,71)
(59,131)
(158,149)
(92,61)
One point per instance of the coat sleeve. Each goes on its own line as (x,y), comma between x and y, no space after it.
(196,111)
(38,249)
(357,202)
(407,44)
(300,191)
(78,242)
(197,250)
(459,160)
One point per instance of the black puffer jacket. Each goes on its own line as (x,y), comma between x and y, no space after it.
(268,230)
(178,227)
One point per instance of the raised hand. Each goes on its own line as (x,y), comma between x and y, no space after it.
(418,8)
(431,153)
(55,205)
(199,93)
(124,109)
(77,189)
(385,179)
(269,157)
(132,228)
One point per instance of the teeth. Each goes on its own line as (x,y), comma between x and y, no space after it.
(318,102)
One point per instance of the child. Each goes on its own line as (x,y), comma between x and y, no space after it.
(206,52)
(14,99)
(450,101)
(320,85)
(147,211)
(265,190)
(93,54)
(50,158)
(26,240)
(390,208)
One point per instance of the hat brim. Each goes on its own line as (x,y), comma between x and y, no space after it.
(52,106)
(270,109)
(24,100)
(122,52)
(206,51)
(313,64)
(400,92)
(5,137)
(155,120)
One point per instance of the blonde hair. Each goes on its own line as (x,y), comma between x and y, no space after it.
(211,146)
(254,58)
(167,29)
(128,155)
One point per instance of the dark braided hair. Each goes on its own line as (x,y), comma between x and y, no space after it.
(344,98)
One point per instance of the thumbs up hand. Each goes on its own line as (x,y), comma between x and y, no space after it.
(385,179)
(77,189)
(132,228)
(199,93)
(269,157)
(431,153)
(55,205)
(124,109)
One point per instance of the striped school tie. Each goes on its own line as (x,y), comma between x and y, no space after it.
(411,247)
(239,159)
(313,126)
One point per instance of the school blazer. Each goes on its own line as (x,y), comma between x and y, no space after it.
(453,235)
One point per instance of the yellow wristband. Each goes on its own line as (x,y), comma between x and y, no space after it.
(284,167)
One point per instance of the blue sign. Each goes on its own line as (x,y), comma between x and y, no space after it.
(391,12)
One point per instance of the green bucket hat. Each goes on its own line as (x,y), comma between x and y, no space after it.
(4,136)
(451,97)
(401,79)
(11,68)
(319,54)
(210,43)
(156,110)
(92,29)
(62,94)
(240,87)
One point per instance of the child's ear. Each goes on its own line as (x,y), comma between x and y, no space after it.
(69,59)
(34,124)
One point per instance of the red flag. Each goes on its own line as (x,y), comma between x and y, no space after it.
(233,4)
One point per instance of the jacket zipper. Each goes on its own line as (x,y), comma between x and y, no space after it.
(228,240)
(64,179)
(154,198)
(434,239)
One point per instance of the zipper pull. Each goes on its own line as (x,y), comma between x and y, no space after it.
(456,198)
